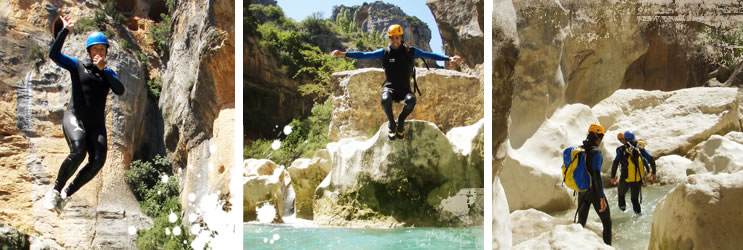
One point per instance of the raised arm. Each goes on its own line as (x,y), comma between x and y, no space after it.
(55,53)
(377,54)
(113,81)
(435,56)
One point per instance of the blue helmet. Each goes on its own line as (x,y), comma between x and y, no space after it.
(96,38)
(628,135)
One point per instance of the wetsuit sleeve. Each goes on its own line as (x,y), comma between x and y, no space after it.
(113,81)
(377,54)
(615,163)
(650,159)
(429,55)
(596,162)
(55,53)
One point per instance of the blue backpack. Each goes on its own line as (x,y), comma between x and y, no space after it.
(574,172)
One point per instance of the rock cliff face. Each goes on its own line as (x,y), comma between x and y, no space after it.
(461,24)
(422,180)
(102,211)
(35,93)
(198,101)
(376,17)
(450,99)
(581,51)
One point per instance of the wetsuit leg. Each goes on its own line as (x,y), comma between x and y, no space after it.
(585,200)
(409,105)
(96,159)
(621,192)
(635,196)
(387,106)
(74,133)
(605,219)
(584,204)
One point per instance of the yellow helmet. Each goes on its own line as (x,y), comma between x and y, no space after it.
(596,128)
(641,143)
(620,136)
(394,30)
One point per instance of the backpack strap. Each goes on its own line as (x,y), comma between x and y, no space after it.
(411,57)
(385,58)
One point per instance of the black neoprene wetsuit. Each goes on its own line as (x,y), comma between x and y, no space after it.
(635,188)
(398,68)
(84,122)
(595,193)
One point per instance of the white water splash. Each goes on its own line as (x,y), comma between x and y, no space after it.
(217,220)
(192,218)
(167,231)
(191,197)
(172,217)
(164,178)
(287,129)
(276,145)
(266,213)
(212,149)
(176,230)
(276,237)
(132,230)
(195,229)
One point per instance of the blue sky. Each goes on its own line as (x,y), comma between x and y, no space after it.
(300,9)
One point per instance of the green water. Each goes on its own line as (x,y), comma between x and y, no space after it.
(291,237)
(630,231)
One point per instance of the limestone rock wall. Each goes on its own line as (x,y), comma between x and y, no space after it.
(461,24)
(450,99)
(197,101)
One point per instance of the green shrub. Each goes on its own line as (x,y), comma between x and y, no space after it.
(157,200)
(160,33)
(155,85)
(36,53)
(110,8)
(307,137)
(124,44)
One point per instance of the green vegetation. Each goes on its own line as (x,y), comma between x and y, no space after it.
(307,136)
(286,40)
(157,199)
(160,32)
(85,24)
(36,54)
(731,41)
(110,8)
(155,85)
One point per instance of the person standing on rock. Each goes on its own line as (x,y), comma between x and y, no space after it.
(634,160)
(84,122)
(398,66)
(595,194)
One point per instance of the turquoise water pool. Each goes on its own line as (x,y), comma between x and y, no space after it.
(630,231)
(257,236)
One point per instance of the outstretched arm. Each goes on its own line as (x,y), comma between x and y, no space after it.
(435,56)
(377,54)
(113,81)
(55,53)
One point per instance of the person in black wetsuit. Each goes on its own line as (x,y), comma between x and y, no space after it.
(84,123)
(595,195)
(398,65)
(631,147)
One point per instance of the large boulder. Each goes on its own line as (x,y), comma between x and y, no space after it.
(306,174)
(531,175)
(357,110)
(265,183)
(462,25)
(720,154)
(707,207)
(533,229)
(669,122)
(674,169)
(420,180)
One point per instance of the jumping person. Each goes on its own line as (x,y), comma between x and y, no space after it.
(398,67)
(84,122)
(634,159)
(595,194)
